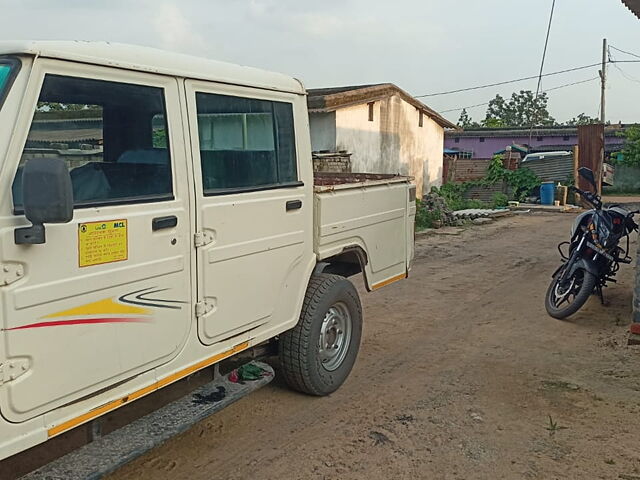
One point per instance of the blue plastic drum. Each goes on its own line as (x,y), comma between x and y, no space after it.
(547,193)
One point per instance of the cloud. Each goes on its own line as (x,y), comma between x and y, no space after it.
(422,45)
(174,30)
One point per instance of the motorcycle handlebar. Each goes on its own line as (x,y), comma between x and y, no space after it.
(588,196)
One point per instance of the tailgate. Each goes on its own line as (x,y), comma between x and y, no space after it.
(375,217)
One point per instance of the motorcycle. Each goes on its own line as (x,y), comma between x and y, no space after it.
(593,255)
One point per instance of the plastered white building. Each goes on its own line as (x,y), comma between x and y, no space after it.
(384,128)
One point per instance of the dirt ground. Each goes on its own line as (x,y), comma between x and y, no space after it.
(461,375)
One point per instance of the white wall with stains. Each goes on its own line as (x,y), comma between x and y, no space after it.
(392,143)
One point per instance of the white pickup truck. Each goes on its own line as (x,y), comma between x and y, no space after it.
(158,214)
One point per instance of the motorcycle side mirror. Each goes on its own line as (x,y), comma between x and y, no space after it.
(587,174)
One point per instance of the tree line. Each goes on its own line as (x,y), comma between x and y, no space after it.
(523,109)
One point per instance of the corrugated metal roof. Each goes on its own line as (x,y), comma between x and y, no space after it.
(559,131)
(73,135)
(633,5)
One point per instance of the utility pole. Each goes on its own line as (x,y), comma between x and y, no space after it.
(603,80)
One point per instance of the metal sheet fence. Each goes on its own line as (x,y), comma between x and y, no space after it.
(554,169)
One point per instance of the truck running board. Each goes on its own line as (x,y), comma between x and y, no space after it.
(108,453)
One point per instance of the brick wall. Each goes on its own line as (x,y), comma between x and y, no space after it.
(339,162)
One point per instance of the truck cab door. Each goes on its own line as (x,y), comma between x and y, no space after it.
(107,297)
(254,213)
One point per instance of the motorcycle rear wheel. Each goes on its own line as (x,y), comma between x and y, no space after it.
(566,298)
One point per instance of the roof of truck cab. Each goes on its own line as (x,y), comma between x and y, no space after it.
(146,59)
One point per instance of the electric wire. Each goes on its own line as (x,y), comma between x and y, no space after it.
(624,51)
(506,82)
(544,51)
(544,91)
(544,56)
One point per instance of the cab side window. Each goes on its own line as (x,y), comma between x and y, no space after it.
(112,136)
(245,143)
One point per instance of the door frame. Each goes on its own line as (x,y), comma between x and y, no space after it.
(182,192)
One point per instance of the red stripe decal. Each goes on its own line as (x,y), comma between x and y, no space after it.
(79,321)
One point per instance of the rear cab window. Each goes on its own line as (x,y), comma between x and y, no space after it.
(245,144)
(111,135)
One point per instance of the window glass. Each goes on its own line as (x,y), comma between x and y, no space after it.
(112,136)
(159,126)
(7,67)
(245,143)
(5,70)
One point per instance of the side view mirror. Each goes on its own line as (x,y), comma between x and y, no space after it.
(47,196)
(587,174)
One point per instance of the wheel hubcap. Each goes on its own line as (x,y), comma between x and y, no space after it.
(335,336)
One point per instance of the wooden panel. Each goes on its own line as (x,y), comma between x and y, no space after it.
(591,148)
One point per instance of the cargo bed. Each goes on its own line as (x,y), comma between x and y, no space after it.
(372,214)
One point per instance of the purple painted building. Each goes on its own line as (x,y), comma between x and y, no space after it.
(485,142)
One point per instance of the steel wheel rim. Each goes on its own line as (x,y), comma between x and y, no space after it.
(335,336)
(560,297)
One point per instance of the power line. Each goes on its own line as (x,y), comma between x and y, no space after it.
(546,43)
(516,80)
(510,81)
(626,75)
(544,56)
(464,108)
(615,62)
(544,91)
(623,51)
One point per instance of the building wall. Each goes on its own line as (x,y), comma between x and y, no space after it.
(491,145)
(433,157)
(393,142)
(323,131)
(365,140)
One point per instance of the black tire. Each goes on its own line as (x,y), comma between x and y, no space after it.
(585,282)
(299,348)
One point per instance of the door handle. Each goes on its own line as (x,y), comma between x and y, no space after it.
(160,223)
(294,205)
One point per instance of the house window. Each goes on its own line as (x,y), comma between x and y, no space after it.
(539,139)
(565,138)
(420,118)
(245,143)
(370,111)
(457,140)
(481,139)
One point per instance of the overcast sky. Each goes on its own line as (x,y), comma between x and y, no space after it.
(424,46)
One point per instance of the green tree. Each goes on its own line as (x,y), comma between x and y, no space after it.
(465,120)
(523,109)
(631,149)
(581,119)
(493,122)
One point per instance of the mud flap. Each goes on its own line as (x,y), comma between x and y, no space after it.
(108,453)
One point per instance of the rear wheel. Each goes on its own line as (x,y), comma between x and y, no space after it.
(566,297)
(318,354)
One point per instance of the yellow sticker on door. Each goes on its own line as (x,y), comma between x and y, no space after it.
(102,242)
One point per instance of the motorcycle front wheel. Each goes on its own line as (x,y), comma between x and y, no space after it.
(566,297)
